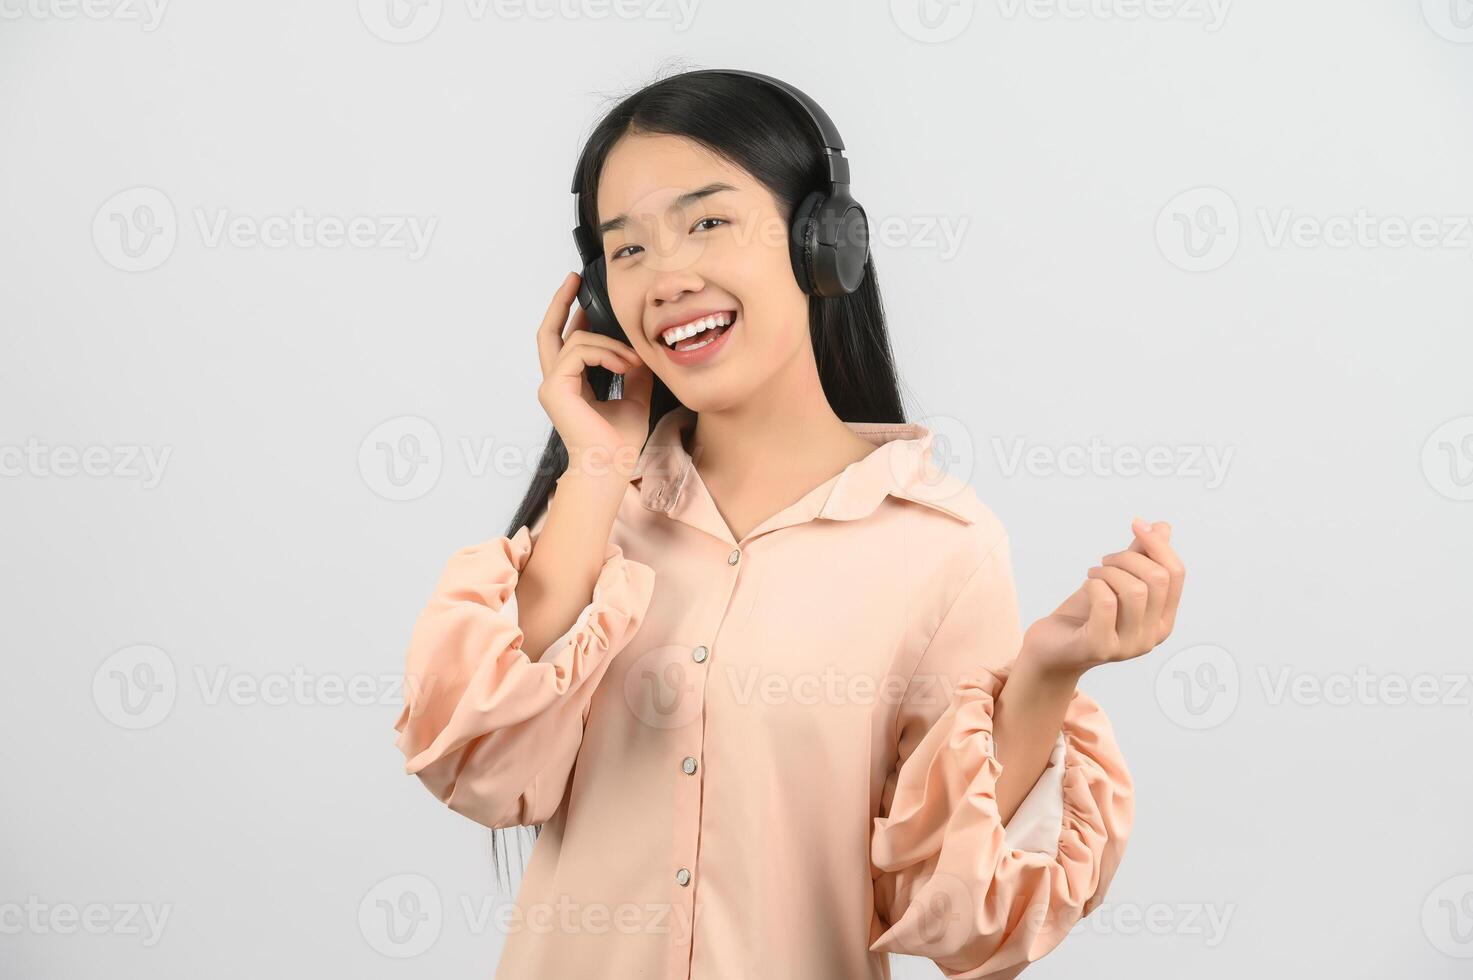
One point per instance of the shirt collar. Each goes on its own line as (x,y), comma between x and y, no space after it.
(900,467)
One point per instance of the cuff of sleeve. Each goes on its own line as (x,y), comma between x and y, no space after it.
(467,675)
(943,839)
(1039,820)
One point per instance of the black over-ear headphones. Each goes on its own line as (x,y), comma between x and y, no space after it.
(829,240)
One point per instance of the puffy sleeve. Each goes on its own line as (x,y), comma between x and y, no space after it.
(491,729)
(953,883)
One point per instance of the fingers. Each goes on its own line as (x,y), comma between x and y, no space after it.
(1099,628)
(580,348)
(1130,599)
(1157,583)
(578,321)
(550,331)
(586,350)
(1141,528)
(1154,541)
(587,338)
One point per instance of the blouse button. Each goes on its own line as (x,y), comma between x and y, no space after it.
(689,765)
(683,876)
(699,654)
(732,558)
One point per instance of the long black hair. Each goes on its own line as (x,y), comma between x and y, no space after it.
(762,132)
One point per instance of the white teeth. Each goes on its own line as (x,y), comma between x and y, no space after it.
(675,335)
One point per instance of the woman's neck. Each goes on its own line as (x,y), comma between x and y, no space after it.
(759,457)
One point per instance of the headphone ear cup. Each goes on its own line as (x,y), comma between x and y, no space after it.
(593,294)
(803,240)
(829,268)
(839,266)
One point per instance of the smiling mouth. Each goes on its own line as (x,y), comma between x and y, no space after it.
(699,333)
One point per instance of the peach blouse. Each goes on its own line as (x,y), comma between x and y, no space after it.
(768,758)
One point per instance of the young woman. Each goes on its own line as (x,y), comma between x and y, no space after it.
(751,660)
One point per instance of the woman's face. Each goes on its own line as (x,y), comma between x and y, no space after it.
(692,235)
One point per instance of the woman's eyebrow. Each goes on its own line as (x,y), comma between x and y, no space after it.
(688,198)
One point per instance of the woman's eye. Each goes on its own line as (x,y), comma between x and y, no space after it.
(620,252)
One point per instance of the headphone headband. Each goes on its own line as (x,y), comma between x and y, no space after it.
(837,166)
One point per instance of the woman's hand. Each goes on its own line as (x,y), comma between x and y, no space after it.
(1126,607)
(594,432)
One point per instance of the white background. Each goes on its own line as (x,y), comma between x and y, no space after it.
(1032,172)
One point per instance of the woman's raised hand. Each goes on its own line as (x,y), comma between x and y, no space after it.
(1125,608)
(594,431)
